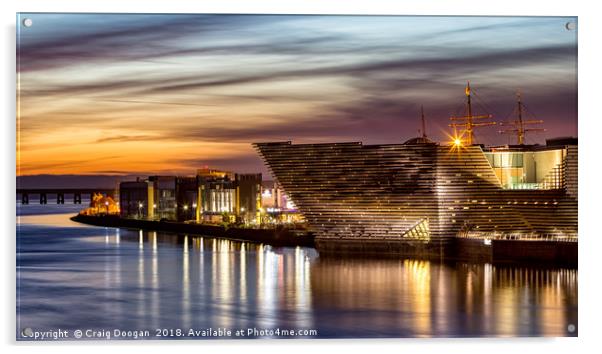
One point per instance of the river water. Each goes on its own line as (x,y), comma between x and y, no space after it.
(76,277)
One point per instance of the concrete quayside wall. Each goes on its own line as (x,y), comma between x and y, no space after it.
(527,251)
(460,248)
(281,236)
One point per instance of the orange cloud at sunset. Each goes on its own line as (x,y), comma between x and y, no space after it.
(170,93)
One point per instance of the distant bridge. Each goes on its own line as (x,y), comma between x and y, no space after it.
(61,192)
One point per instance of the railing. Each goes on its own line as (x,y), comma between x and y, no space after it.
(523,186)
(553,180)
(551,237)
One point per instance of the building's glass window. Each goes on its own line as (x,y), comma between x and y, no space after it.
(527,170)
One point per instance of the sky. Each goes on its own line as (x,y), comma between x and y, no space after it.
(122,94)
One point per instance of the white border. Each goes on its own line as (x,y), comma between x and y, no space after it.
(589,183)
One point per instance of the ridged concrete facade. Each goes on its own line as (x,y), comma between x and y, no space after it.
(412,198)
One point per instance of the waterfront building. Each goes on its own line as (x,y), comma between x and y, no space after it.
(418,196)
(218,195)
(211,195)
(153,198)
(187,193)
(248,187)
(272,196)
(278,208)
(532,166)
(162,197)
(209,173)
(133,199)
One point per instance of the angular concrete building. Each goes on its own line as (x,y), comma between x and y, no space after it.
(416,198)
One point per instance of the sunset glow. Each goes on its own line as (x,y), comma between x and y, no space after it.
(122,94)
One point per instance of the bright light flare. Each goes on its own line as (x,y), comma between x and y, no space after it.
(456,141)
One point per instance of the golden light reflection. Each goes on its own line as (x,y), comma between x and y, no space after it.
(141,277)
(243,273)
(185,284)
(419,276)
(303,288)
(155,305)
(428,298)
(266,285)
(201,262)
(391,296)
(469,295)
(222,274)
(488,270)
(116,282)
(301,279)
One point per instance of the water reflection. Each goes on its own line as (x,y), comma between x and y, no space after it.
(421,298)
(185,285)
(141,277)
(73,276)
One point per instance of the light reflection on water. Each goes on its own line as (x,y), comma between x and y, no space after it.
(75,276)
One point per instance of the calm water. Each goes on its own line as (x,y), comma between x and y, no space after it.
(72,276)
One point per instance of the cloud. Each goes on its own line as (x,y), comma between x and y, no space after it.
(245,163)
(233,80)
(125,138)
(117,37)
(27,167)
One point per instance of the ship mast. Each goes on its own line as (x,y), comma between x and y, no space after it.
(518,125)
(423,123)
(467,122)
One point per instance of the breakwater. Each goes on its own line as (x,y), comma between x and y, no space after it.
(278,236)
